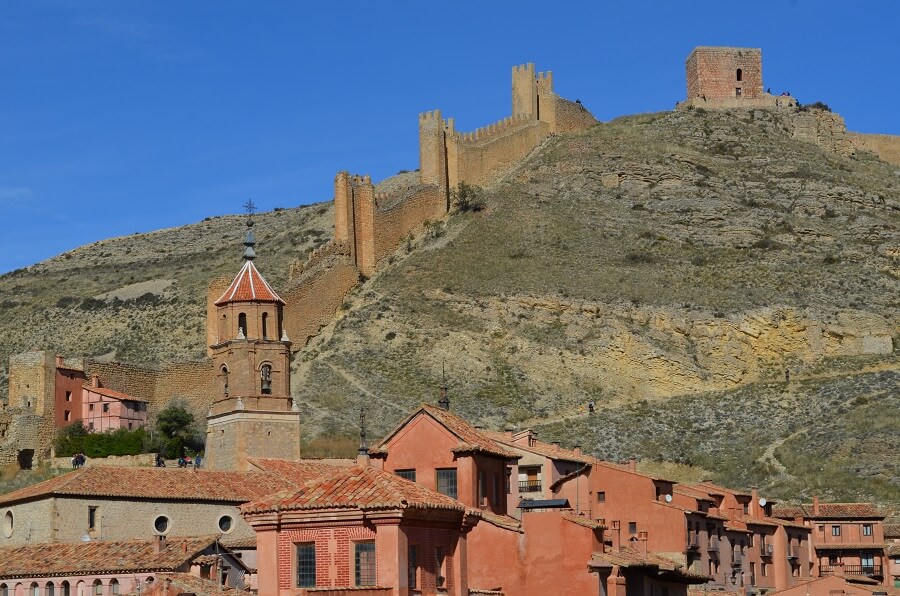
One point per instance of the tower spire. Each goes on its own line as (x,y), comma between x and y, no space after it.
(444,401)
(249,240)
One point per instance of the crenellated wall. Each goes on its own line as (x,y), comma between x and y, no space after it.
(887,147)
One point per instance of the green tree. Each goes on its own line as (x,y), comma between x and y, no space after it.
(178,431)
(467,197)
(70,439)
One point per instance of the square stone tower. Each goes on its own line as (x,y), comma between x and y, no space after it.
(715,73)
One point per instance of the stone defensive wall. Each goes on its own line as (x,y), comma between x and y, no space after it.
(195,382)
(887,147)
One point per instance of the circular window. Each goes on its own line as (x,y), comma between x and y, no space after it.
(8,524)
(161,524)
(226,523)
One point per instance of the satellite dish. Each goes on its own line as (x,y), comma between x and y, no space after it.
(668,498)
(762,502)
(85,538)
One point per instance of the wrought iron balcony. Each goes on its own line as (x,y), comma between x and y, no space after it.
(713,545)
(529,486)
(693,541)
(766,550)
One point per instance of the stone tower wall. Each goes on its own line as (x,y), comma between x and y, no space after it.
(712,73)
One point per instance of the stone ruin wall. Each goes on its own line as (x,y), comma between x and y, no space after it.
(886,147)
(712,73)
(822,128)
(195,382)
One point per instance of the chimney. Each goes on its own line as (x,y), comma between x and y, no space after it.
(632,464)
(615,527)
(555,446)
(816,505)
(577,450)
(95,380)
(59,361)
(642,543)
(159,544)
(754,503)
(184,547)
(443,400)
(362,458)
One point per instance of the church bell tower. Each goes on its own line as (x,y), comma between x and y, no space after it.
(252,414)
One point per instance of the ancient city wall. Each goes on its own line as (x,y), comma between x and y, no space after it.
(214,291)
(195,382)
(823,128)
(481,156)
(313,300)
(571,116)
(887,147)
(395,222)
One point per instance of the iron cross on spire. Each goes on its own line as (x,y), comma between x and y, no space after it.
(250,208)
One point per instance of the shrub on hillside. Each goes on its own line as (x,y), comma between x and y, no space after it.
(467,197)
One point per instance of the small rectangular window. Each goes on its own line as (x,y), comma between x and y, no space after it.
(106,407)
(867,529)
(601,497)
(92,518)
(67,415)
(90,426)
(68,396)
(91,407)
(835,530)
(737,91)
(306,565)
(440,576)
(364,563)
(446,482)
(408,474)
(632,527)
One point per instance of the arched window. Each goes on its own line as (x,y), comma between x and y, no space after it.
(4,590)
(34,589)
(225,380)
(265,325)
(242,323)
(49,589)
(739,74)
(265,377)
(65,589)
(98,587)
(113,586)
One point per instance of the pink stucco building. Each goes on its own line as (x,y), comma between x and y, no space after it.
(105,409)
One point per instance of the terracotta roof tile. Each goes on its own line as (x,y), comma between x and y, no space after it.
(692,492)
(892,530)
(112,393)
(540,448)
(629,557)
(851,545)
(356,487)
(249,286)
(82,558)
(502,521)
(470,438)
(893,550)
(584,521)
(156,483)
(297,472)
(187,583)
(831,511)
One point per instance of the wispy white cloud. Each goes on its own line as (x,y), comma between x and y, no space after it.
(14,194)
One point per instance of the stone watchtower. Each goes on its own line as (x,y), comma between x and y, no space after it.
(253,414)
(716,73)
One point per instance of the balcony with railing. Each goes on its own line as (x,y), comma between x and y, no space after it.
(529,486)
(713,544)
(737,559)
(766,549)
(794,552)
(867,570)
(693,541)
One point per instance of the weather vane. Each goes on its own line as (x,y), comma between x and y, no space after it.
(250,208)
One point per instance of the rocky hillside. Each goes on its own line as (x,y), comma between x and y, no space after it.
(728,296)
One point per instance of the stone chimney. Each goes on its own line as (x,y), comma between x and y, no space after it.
(816,505)
(555,445)
(755,509)
(615,533)
(159,544)
(632,464)
(59,361)
(577,450)
(95,380)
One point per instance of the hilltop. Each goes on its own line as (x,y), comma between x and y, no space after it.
(728,295)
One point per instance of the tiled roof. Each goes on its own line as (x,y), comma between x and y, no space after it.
(629,557)
(893,550)
(772,521)
(249,286)
(112,393)
(563,479)
(850,546)
(502,521)
(540,448)
(892,530)
(155,483)
(584,521)
(239,543)
(715,489)
(101,556)
(831,511)
(296,472)
(186,583)
(357,487)
(832,584)
(692,492)
(470,438)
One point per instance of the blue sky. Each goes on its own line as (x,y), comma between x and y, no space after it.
(120,117)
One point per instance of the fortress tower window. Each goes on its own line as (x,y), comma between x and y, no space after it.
(265,376)
(739,75)
(737,91)
(242,323)
(265,325)
(225,380)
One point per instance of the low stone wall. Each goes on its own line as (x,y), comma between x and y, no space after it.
(822,128)
(141,460)
(739,103)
